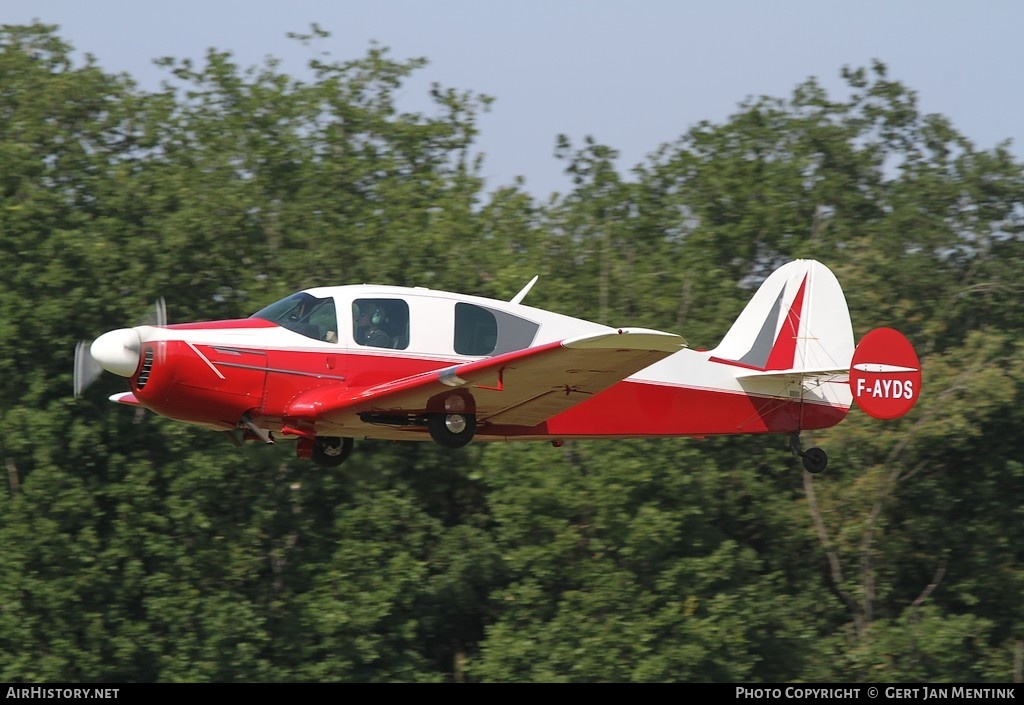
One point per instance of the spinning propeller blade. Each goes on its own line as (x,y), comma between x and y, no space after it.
(157,315)
(116,350)
(87,370)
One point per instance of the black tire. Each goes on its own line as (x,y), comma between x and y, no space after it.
(815,460)
(330,451)
(441,425)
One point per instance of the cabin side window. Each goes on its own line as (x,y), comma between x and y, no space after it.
(483,331)
(381,323)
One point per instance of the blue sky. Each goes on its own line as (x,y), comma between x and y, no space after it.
(633,74)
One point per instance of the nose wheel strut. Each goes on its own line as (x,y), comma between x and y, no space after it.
(815,460)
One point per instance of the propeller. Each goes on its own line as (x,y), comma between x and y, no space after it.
(116,351)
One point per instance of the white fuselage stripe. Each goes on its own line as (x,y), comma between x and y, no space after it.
(205,359)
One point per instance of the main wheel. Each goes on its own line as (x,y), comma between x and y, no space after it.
(451,430)
(815,460)
(330,452)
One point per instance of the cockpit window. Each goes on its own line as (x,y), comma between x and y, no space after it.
(305,314)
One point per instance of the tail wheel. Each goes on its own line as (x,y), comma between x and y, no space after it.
(815,460)
(452,430)
(330,452)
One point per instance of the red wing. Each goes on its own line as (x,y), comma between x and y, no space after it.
(522,388)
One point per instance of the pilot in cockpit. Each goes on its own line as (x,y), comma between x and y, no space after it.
(369,319)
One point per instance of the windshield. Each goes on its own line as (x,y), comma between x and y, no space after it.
(305,314)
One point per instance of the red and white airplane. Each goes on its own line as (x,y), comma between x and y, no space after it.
(329,365)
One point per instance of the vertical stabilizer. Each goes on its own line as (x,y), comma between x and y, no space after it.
(797,320)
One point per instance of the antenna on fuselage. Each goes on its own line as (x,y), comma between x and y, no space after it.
(525,290)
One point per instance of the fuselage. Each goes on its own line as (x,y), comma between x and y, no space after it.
(261,368)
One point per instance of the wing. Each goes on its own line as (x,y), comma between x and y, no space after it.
(522,388)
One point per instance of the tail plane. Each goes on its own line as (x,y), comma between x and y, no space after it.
(797,325)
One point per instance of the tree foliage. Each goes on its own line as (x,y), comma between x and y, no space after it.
(138,549)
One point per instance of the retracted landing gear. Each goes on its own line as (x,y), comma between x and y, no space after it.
(815,459)
(451,430)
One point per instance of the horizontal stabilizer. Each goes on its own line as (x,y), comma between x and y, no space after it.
(788,374)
